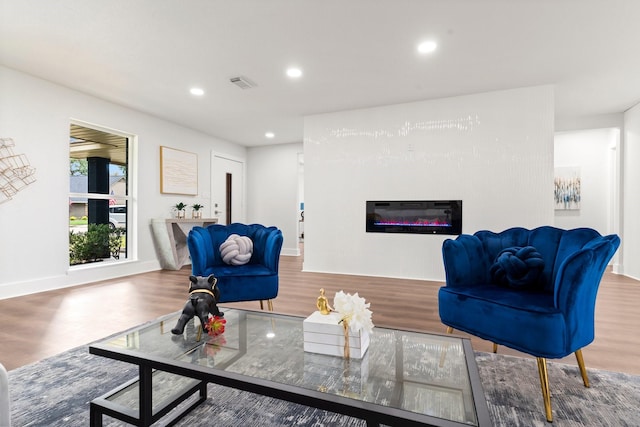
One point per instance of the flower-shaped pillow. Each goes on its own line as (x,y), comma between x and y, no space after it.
(517,267)
(236,250)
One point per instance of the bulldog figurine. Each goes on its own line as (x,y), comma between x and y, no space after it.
(203,299)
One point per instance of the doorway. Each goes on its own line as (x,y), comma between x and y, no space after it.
(227,188)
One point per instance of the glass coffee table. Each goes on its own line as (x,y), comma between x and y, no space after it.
(404,379)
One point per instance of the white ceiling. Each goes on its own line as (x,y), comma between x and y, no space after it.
(146,54)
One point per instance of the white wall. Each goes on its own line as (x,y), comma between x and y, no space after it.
(494,151)
(34,225)
(631,190)
(594,152)
(272,190)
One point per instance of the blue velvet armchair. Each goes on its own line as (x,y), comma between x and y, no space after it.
(257,279)
(530,290)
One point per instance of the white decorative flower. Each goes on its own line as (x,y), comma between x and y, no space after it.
(354,310)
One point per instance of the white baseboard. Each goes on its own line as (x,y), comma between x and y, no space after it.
(290,252)
(77,276)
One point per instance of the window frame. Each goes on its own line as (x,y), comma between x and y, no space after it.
(130,253)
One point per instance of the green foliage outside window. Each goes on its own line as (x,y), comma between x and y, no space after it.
(97,243)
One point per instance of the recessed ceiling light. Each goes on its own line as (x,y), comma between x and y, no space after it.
(269,135)
(196,91)
(427,47)
(294,72)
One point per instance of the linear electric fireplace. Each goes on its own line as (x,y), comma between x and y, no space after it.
(415,216)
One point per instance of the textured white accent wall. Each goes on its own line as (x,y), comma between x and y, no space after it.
(272,190)
(34,225)
(631,201)
(593,151)
(494,151)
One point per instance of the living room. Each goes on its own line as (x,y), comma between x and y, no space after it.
(495,149)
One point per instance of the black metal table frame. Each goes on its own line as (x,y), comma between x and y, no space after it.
(374,414)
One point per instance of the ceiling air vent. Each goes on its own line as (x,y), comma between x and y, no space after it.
(242,82)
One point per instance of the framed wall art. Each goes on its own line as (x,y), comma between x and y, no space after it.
(567,188)
(178,172)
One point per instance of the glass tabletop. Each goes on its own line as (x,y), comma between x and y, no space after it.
(416,372)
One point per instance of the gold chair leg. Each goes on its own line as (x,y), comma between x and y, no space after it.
(270,305)
(583,369)
(495,347)
(449,330)
(544,383)
(261,305)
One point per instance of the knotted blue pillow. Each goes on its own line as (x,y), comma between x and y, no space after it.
(517,267)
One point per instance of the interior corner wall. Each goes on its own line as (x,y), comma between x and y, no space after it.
(34,224)
(493,151)
(630,200)
(593,152)
(272,190)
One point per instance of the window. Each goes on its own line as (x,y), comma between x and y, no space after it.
(99,195)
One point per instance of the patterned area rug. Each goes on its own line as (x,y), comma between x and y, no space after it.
(56,392)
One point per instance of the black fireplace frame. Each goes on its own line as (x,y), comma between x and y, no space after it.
(430,212)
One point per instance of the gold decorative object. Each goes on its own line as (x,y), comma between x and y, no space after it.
(345,328)
(15,171)
(323,304)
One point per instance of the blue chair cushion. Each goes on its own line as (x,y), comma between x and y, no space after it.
(520,319)
(518,267)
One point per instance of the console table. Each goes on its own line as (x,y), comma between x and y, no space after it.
(171,239)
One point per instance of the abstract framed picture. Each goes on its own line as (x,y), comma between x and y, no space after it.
(567,188)
(178,172)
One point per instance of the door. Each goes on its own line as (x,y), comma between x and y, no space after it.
(227,187)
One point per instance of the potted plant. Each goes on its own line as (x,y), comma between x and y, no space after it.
(196,210)
(180,207)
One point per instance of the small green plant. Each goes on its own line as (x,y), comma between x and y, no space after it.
(72,218)
(180,207)
(196,207)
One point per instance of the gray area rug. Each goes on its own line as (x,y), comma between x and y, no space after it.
(57,391)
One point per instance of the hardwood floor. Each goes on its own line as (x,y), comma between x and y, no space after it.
(42,325)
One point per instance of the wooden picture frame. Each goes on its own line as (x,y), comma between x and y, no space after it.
(178,172)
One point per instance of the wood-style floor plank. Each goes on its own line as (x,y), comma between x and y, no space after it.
(42,325)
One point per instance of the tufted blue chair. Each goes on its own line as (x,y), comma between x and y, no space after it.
(530,290)
(256,280)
